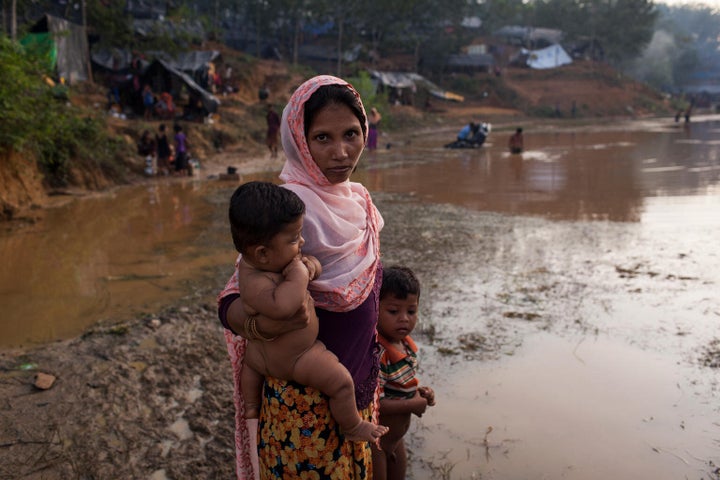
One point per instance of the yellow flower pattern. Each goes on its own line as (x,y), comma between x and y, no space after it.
(300,439)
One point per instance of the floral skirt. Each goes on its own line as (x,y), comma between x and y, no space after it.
(300,439)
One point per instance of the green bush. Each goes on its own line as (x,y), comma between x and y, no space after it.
(38,120)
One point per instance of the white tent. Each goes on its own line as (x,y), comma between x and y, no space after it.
(550,57)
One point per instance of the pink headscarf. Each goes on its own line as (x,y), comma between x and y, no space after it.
(342,225)
(341,228)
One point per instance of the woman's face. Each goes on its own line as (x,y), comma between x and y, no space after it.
(335,140)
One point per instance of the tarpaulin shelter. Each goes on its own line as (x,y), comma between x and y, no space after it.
(476,62)
(531,37)
(166,76)
(550,57)
(65,45)
(410,82)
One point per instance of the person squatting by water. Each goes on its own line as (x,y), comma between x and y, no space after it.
(323,133)
(401,394)
(266,224)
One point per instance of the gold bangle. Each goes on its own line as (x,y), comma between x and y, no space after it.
(248,333)
(251,327)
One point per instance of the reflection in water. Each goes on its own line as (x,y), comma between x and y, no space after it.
(562,409)
(603,175)
(130,251)
(112,256)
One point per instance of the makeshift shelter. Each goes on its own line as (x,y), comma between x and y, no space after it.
(403,86)
(551,57)
(165,76)
(65,45)
(531,37)
(475,62)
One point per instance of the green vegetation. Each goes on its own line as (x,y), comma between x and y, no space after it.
(38,120)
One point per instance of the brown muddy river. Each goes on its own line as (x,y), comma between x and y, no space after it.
(570,297)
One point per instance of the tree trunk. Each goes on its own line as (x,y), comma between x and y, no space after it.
(417,55)
(296,41)
(85,35)
(339,47)
(13,20)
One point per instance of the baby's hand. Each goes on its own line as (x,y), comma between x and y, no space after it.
(295,265)
(313,266)
(428,394)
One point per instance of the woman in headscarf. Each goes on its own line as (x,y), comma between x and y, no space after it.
(324,129)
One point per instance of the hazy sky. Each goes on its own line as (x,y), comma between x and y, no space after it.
(710,3)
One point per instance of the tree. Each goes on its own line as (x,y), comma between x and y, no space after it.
(623,27)
(113,25)
(410,25)
(497,13)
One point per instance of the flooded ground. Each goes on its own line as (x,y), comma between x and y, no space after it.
(570,309)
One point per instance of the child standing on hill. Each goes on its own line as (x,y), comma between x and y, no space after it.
(266,221)
(400,392)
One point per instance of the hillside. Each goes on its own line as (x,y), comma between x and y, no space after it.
(236,134)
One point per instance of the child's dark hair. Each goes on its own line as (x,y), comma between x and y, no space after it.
(400,282)
(259,211)
(333,93)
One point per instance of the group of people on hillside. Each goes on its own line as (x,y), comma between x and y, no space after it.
(163,157)
(325,368)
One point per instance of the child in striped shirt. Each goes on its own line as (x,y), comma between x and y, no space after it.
(400,392)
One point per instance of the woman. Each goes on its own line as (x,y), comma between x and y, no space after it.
(374,121)
(324,130)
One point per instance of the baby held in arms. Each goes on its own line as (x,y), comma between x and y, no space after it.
(266,222)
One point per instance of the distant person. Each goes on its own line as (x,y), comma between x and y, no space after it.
(373,122)
(181,151)
(165,107)
(688,111)
(148,102)
(163,150)
(263,93)
(401,394)
(228,80)
(516,142)
(266,221)
(273,129)
(147,148)
(466,132)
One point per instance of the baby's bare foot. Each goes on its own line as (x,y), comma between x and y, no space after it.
(365,432)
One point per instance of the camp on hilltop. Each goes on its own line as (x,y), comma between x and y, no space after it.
(214,88)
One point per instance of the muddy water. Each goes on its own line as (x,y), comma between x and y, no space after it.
(109,258)
(570,291)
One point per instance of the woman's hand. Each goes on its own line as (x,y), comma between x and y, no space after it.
(267,327)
